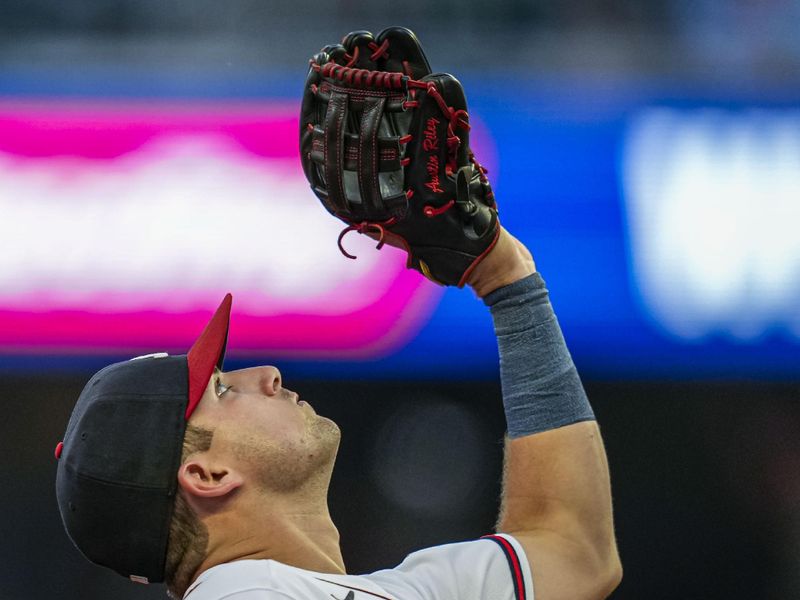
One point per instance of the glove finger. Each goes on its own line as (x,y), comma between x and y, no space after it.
(403,52)
(320,58)
(359,46)
(335,53)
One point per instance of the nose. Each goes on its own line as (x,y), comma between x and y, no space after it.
(266,379)
(269,380)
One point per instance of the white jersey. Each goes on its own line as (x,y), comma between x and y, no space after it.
(491,568)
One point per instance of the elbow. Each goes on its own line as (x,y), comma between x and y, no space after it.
(613,576)
(595,575)
(608,573)
(598,569)
(602,557)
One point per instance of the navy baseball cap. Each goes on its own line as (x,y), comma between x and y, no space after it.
(117,466)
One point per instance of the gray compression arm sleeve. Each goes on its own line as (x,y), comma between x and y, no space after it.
(541,387)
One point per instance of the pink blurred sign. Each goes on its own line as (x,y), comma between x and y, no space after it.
(128,222)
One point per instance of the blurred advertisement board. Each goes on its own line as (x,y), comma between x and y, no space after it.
(666,231)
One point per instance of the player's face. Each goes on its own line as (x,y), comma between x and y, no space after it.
(266,428)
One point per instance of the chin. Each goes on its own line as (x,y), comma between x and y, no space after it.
(329,434)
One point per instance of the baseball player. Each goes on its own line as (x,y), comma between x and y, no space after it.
(215,482)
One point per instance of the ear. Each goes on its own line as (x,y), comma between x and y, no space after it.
(200,478)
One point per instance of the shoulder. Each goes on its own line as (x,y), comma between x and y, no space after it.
(491,567)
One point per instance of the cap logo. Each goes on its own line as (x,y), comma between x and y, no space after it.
(139,578)
(153,355)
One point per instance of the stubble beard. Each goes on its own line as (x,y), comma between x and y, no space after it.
(285,467)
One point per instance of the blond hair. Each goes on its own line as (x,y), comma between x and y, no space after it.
(188,536)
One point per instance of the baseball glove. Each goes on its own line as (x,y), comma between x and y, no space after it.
(385,146)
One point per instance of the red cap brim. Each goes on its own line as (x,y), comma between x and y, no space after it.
(208,352)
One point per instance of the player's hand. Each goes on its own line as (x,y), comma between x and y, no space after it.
(508,261)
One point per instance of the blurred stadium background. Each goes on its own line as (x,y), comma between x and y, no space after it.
(647,152)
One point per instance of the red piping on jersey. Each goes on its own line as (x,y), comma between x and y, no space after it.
(513,563)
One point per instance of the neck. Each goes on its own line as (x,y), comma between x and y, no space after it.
(291,529)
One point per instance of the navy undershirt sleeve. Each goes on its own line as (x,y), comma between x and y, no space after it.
(541,387)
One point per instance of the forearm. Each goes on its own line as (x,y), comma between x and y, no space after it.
(541,387)
(542,393)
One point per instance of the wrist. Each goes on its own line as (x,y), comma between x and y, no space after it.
(507,262)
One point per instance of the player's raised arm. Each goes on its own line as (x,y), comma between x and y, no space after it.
(556,494)
(384,143)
